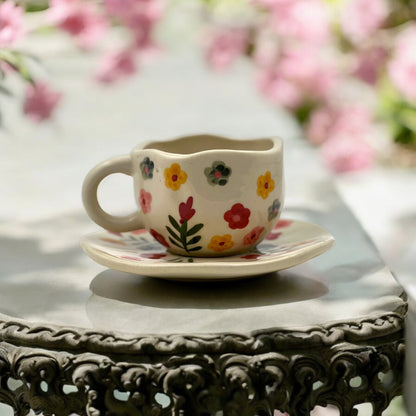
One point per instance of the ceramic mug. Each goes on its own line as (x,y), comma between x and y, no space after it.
(201,196)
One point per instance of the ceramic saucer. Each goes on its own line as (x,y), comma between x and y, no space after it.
(290,243)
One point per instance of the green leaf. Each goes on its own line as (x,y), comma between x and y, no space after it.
(174,242)
(195,248)
(173,234)
(195,229)
(194,240)
(183,230)
(17,61)
(174,223)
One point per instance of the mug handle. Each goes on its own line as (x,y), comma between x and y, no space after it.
(121,164)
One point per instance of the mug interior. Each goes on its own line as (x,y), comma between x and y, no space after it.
(200,143)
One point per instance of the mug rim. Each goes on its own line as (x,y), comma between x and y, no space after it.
(275,145)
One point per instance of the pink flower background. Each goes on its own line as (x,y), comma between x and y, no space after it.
(304,53)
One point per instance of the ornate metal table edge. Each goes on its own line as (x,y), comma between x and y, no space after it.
(343,364)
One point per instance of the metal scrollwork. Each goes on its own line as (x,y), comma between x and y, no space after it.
(61,383)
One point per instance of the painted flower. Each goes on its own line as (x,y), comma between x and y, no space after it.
(221,242)
(237,217)
(253,236)
(113,241)
(152,256)
(159,237)
(185,210)
(273,209)
(218,173)
(146,167)
(274,235)
(283,224)
(175,177)
(145,200)
(251,256)
(265,185)
(130,258)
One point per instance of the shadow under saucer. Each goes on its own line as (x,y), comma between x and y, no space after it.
(126,302)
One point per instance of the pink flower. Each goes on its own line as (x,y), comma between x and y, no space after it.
(11,23)
(361,18)
(304,20)
(402,68)
(347,153)
(115,66)
(282,224)
(237,217)
(80,19)
(326,122)
(224,46)
(138,16)
(185,210)
(278,89)
(369,64)
(299,74)
(153,256)
(145,200)
(40,101)
(253,236)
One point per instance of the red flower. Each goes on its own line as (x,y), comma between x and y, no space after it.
(273,235)
(159,237)
(185,210)
(153,256)
(251,256)
(283,224)
(237,216)
(253,236)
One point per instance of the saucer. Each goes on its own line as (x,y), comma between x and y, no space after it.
(290,243)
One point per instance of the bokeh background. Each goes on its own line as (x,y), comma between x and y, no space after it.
(82,81)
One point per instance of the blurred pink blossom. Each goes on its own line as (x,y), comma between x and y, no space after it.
(116,65)
(139,16)
(343,132)
(40,101)
(344,153)
(369,64)
(224,46)
(347,120)
(304,20)
(402,67)
(361,18)
(298,75)
(278,89)
(11,23)
(80,19)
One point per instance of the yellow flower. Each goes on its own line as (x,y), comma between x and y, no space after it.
(265,184)
(175,177)
(221,242)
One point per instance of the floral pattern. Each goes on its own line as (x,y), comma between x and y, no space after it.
(283,224)
(185,210)
(146,167)
(159,237)
(253,236)
(218,173)
(273,235)
(221,243)
(237,217)
(175,177)
(145,200)
(180,235)
(274,209)
(265,185)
